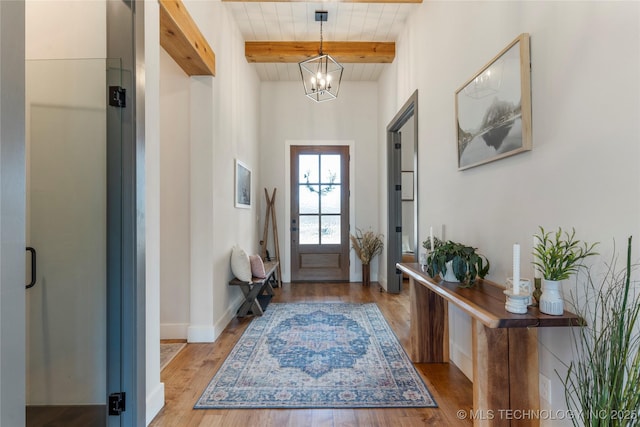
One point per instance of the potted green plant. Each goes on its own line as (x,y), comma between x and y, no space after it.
(427,243)
(456,262)
(366,245)
(601,382)
(557,256)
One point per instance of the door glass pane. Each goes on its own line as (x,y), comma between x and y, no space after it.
(331,199)
(308,166)
(330,168)
(67,211)
(330,230)
(309,234)
(308,199)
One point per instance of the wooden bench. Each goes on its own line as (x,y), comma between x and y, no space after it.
(258,292)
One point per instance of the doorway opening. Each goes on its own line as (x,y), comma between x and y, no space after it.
(402,190)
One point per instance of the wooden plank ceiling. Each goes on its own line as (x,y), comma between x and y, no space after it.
(280,33)
(336,1)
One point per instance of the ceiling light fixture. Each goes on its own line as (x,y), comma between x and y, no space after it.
(321,75)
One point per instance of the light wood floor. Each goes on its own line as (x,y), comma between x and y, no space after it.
(189,373)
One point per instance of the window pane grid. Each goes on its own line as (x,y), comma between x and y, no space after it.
(319,193)
(320,229)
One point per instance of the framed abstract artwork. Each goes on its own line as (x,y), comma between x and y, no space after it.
(493,108)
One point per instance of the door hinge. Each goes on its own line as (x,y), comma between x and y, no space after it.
(398,187)
(117,403)
(399,230)
(397,146)
(117,96)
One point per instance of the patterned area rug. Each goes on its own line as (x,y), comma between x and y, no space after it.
(317,355)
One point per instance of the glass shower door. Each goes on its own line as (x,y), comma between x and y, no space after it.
(67,118)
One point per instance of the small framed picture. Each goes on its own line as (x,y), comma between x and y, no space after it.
(243,185)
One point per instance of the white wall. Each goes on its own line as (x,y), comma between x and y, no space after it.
(206,123)
(175,198)
(66,29)
(154,388)
(287,115)
(391,100)
(582,171)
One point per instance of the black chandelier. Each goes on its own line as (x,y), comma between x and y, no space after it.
(321,75)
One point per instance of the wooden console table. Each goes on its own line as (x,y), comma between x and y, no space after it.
(505,345)
(258,292)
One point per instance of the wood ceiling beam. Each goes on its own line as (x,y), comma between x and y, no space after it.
(344,52)
(182,39)
(339,1)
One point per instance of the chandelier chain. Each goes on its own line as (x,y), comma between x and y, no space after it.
(320,37)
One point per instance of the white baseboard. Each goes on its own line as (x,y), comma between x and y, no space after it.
(461,360)
(155,402)
(201,333)
(206,333)
(228,315)
(174,331)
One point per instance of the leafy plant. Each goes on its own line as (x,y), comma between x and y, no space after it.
(601,383)
(559,255)
(367,245)
(465,262)
(427,243)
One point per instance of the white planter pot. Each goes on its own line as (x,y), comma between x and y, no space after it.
(449,276)
(551,301)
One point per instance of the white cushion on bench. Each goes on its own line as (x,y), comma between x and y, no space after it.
(240,265)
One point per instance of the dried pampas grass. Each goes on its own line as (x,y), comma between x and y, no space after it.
(367,245)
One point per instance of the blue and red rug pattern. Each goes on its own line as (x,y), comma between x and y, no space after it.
(317,355)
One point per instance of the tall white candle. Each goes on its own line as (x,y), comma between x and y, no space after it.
(516,269)
(431,237)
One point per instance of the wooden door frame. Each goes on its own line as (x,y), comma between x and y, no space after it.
(286,267)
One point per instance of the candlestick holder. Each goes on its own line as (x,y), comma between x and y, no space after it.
(525,288)
(423,257)
(516,303)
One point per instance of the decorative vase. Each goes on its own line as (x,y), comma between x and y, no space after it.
(449,276)
(366,278)
(551,301)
